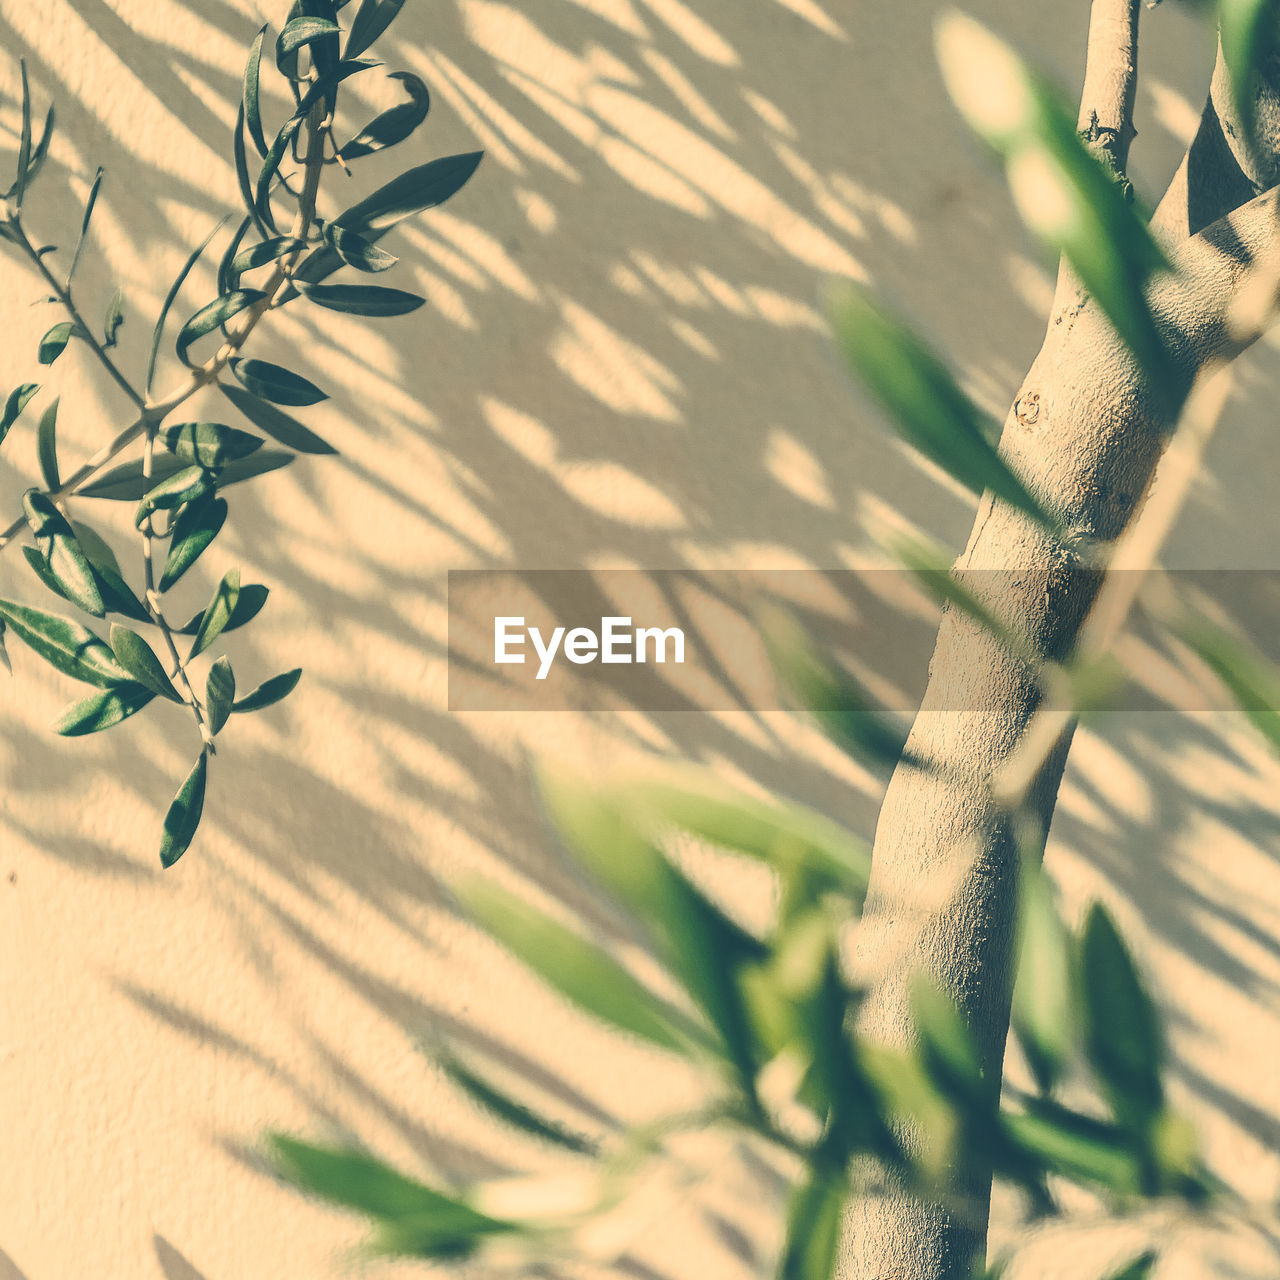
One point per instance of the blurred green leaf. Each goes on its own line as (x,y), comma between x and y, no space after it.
(1249,678)
(1074,1146)
(194,529)
(208,444)
(114,321)
(64,644)
(250,92)
(371,20)
(1247,30)
(66,560)
(363,299)
(84,225)
(948,1051)
(220,693)
(210,317)
(188,485)
(54,343)
(271,382)
(395,125)
(183,818)
(17,401)
(1140,1268)
(137,657)
(278,425)
(269,692)
(814,1219)
(171,296)
(358,252)
(1045,1017)
(1123,1036)
(924,402)
(576,968)
(47,447)
(102,710)
(248,606)
(218,613)
(835,700)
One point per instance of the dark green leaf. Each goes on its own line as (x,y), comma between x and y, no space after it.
(926,405)
(126,482)
(271,167)
(1123,1037)
(208,444)
(188,485)
(269,692)
(84,225)
(64,644)
(218,612)
(19,187)
(278,425)
(170,297)
(66,560)
(249,605)
(40,153)
(371,20)
(114,320)
(358,252)
(324,87)
(395,125)
(262,462)
(1139,1269)
(250,93)
(813,1228)
(261,254)
(183,818)
(271,382)
(117,595)
(421,188)
(40,567)
(137,657)
(363,299)
(576,968)
(228,277)
(103,710)
(54,343)
(303,31)
(194,529)
(17,401)
(95,546)
(220,694)
(243,179)
(208,318)
(47,447)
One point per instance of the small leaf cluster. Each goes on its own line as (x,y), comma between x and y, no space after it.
(284,251)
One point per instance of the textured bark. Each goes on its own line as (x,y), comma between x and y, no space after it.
(1086,432)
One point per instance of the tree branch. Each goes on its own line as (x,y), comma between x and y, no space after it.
(1110,79)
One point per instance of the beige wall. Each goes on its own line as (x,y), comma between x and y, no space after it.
(622,364)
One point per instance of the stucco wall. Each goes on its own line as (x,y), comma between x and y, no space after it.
(621,363)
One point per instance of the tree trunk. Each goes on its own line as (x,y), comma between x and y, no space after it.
(1085,433)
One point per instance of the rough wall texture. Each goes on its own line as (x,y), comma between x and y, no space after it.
(621,364)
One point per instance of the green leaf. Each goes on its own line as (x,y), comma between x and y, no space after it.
(19,187)
(195,528)
(188,485)
(1252,682)
(103,710)
(84,225)
(183,818)
(324,86)
(842,708)
(137,657)
(579,970)
(358,252)
(269,692)
(421,188)
(127,483)
(170,298)
(371,20)
(1073,1146)
(414,1219)
(47,447)
(300,32)
(363,299)
(1077,205)
(260,464)
(218,612)
(208,444)
(265,252)
(220,694)
(249,605)
(66,561)
(250,93)
(117,595)
(95,546)
(271,382)
(114,320)
(1044,1000)
(924,402)
(814,1219)
(1247,31)
(228,278)
(64,644)
(270,167)
(947,1049)
(40,153)
(395,125)
(40,567)
(278,425)
(1139,1269)
(243,180)
(1123,1036)
(16,402)
(54,343)
(500,1104)
(210,317)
